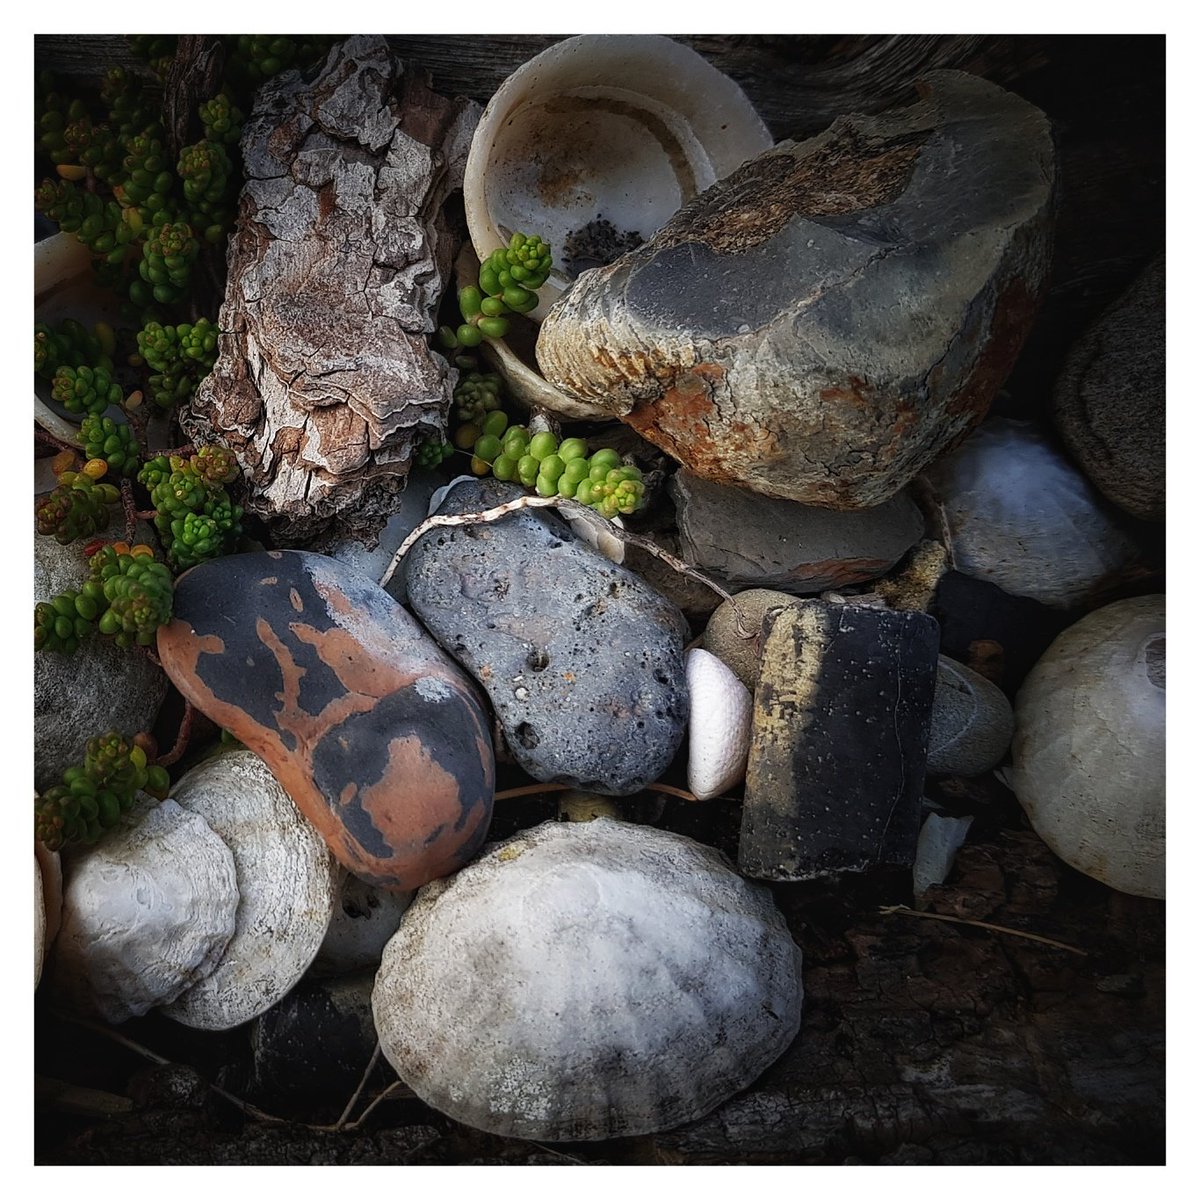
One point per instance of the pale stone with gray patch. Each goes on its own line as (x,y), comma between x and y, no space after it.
(972,722)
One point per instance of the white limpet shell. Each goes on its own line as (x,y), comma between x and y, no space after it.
(587,980)
(596,531)
(624,127)
(147,911)
(1089,753)
(288,884)
(39,923)
(719,719)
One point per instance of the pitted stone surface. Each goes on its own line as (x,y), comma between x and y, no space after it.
(582,660)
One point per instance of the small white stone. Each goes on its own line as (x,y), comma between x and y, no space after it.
(718,725)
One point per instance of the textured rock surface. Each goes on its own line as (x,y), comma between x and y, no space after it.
(838,741)
(742,654)
(1110,401)
(374,733)
(98,688)
(582,660)
(1021,516)
(325,382)
(828,319)
(1089,754)
(972,722)
(755,541)
(587,980)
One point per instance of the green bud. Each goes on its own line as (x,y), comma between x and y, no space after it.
(493,327)
(543,444)
(552,467)
(505,467)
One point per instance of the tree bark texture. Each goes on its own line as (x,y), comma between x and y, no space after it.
(325,382)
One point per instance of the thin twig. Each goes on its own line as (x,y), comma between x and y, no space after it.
(362,1083)
(568,506)
(249,1109)
(181,738)
(44,435)
(888,910)
(388,1091)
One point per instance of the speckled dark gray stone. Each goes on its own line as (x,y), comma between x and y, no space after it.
(581,658)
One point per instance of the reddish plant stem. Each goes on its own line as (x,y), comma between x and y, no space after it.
(181,738)
(131,513)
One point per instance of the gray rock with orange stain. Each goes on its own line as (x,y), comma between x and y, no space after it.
(325,383)
(755,541)
(376,735)
(825,321)
(581,658)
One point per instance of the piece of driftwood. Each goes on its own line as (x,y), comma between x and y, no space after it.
(325,382)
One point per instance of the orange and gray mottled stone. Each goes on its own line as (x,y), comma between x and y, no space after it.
(372,730)
(833,315)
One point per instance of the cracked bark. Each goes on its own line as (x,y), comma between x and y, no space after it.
(325,383)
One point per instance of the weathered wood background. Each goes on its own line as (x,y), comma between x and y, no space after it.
(923,1042)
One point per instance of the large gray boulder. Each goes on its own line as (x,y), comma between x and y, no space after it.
(825,321)
(98,688)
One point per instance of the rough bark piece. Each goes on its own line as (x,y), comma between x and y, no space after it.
(832,316)
(838,740)
(324,381)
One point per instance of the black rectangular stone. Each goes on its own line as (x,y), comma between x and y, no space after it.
(839,738)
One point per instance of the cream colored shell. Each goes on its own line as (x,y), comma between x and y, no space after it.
(587,980)
(624,127)
(287,881)
(720,711)
(147,911)
(39,922)
(1089,753)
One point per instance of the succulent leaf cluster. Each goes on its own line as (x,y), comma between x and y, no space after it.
(70,344)
(128,594)
(179,356)
(195,516)
(113,443)
(551,467)
(93,796)
(509,279)
(77,508)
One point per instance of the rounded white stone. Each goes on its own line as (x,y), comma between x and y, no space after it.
(719,718)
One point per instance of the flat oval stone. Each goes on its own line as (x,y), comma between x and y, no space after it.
(581,658)
(754,541)
(376,735)
(827,319)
